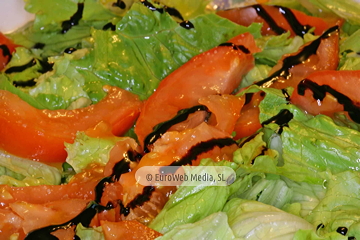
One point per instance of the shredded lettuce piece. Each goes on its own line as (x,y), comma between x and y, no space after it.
(255,220)
(20,172)
(86,150)
(212,227)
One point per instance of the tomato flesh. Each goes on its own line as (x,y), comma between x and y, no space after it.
(40,134)
(7,47)
(247,15)
(217,71)
(341,81)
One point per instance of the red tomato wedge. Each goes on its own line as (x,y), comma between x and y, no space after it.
(217,71)
(277,20)
(81,186)
(325,57)
(7,47)
(327,92)
(41,215)
(128,230)
(40,134)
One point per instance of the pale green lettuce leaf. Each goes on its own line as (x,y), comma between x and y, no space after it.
(274,47)
(19,172)
(212,227)
(340,205)
(86,150)
(255,220)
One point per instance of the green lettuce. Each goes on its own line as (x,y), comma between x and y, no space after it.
(145,47)
(340,206)
(255,220)
(86,150)
(214,226)
(20,172)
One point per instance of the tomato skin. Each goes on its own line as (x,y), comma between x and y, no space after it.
(40,134)
(7,44)
(341,81)
(248,15)
(81,186)
(128,230)
(217,71)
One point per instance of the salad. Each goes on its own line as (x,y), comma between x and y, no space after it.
(91,91)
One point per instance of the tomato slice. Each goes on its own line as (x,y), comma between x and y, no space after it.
(40,134)
(217,71)
(7,47)
(327,92)
(128,230)
(277,20)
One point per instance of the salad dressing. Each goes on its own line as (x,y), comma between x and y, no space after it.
(293,60)
(202,147)
(161,128)
(74,19)
(119,3)
(21,68)
(94,207)
(319,93)
(268,19)
(6,52)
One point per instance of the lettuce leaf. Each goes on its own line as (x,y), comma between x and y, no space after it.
(20,172)
(255,220)
(86,150)
(212,227)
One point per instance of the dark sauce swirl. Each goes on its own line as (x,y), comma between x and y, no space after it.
(120,4)
(74,19)
(297,59)
(281,119)
(202,147)
(93,207)
(17,69)
(268,19)
(6,52)
(161,128)
(294,23)
(108,26)
(319,93)
(28,83)
(236,47)
(187,25)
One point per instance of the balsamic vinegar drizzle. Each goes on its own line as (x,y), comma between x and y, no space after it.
(236,47)
(319,93)
(28,83)
(94,207)
(119,3)
(139,200)
(268,19)
(21,68)
(108,26)
(39,45)
(161,128)
(74,19)
(70,50)
(6,52)
(171,11)
(186,24)
(295,25)
(202,147)
(294,60)
(281,119)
